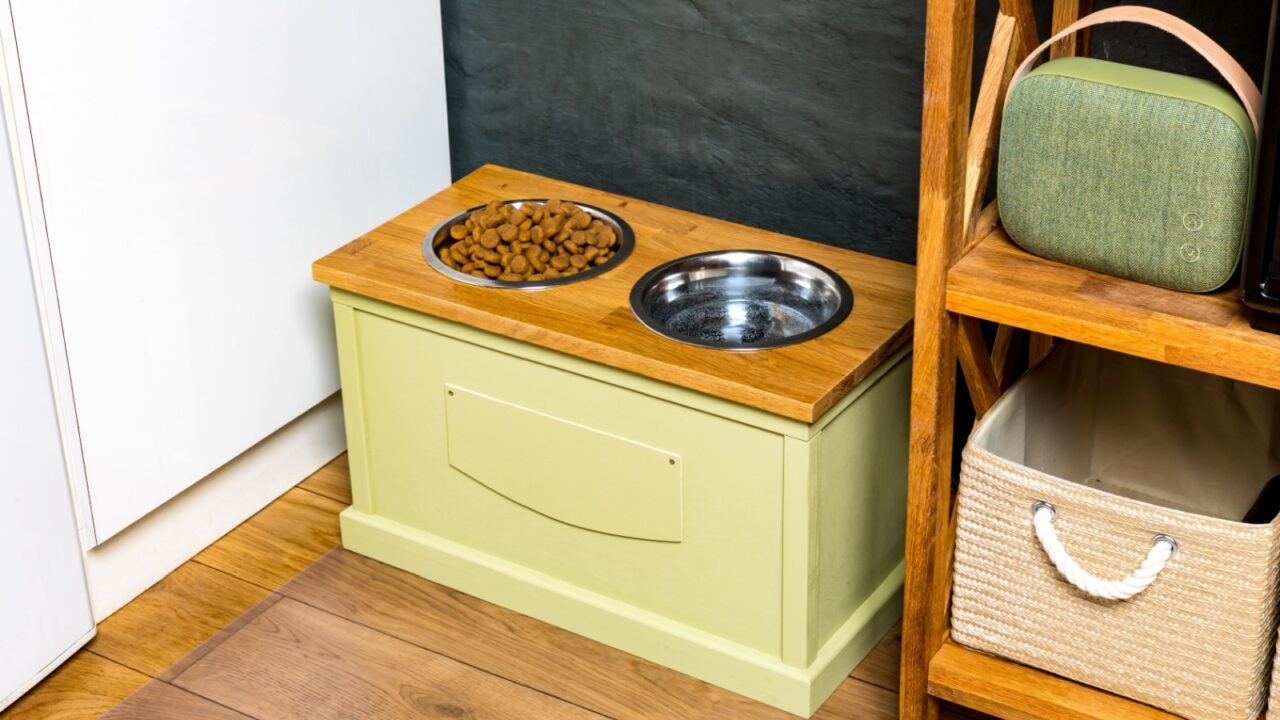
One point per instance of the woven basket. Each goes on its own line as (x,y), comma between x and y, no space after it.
(1273,706)
(1117,455)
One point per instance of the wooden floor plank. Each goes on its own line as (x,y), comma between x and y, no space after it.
(880,667)
(294,661)
(332,481)
(860,700)
(191,658)
(84,687)
(161,701)
(280,541)
(511,645)
(173,617)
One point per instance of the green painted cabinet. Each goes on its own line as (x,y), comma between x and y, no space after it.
(758,553)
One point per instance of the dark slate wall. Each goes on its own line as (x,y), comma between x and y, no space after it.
(801,116)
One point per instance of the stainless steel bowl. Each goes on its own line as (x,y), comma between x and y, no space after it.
(440,234)
(741,299)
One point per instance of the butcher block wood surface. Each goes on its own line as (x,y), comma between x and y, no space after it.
(593,320)
(1208,332)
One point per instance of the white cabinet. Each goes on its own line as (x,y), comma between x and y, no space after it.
(192,159)
(44,607)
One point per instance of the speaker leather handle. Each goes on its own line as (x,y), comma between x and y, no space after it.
(1211,51)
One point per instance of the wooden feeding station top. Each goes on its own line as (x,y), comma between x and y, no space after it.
(593,320)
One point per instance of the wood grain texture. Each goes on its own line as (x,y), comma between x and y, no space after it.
(1015,692)
(230,629)
(1039,345)
(941,233)
(882,665)
(161,701)
(1084,38)
(593,319)
(1002,355)
(975,361)
(517,647)
(1066,12)
(332,481)
(279,542)
(1022,12)
(173,617)
(86,686)
(984,130)
(869,702)
(296,661)
(1000,282)
(987,220)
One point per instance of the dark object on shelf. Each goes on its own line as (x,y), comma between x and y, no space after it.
(1260,275)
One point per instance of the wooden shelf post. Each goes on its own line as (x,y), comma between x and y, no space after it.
(944,133)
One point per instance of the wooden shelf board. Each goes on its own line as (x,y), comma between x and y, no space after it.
(1008,690)
(1210,332)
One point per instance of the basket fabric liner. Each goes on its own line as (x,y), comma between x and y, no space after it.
(1125,449)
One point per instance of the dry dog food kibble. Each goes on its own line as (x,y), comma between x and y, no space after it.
(532,242)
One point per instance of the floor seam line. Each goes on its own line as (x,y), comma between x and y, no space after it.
(504,678)
(124,665)
(233,575)
(206,697)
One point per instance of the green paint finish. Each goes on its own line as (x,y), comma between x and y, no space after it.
(799,542)
(767,559)
(859,518)
(566,471)
(724,574)
(352,410)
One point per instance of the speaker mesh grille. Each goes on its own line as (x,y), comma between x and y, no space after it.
(1126,182)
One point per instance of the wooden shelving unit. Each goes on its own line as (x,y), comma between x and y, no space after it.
(969,271)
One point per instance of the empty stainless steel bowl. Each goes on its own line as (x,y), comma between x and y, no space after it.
(741,299)
(440,235)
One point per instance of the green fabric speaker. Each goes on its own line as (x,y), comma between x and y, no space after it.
(1130,171)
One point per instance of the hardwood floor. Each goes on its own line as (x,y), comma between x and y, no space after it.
(177,614)
(272,622)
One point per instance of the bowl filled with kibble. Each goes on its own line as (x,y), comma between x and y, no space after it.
(528,244)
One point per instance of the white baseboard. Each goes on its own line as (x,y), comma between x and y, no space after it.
(140,555)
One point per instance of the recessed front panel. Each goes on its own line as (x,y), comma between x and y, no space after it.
(585,508)
(568,472)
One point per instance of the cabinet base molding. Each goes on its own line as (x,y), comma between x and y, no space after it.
(755,674)
(140,555)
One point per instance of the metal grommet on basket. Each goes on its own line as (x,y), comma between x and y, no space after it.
(1173,543)
(1035,508)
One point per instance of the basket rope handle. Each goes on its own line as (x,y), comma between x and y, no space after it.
(1211,51)
(1162,547)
